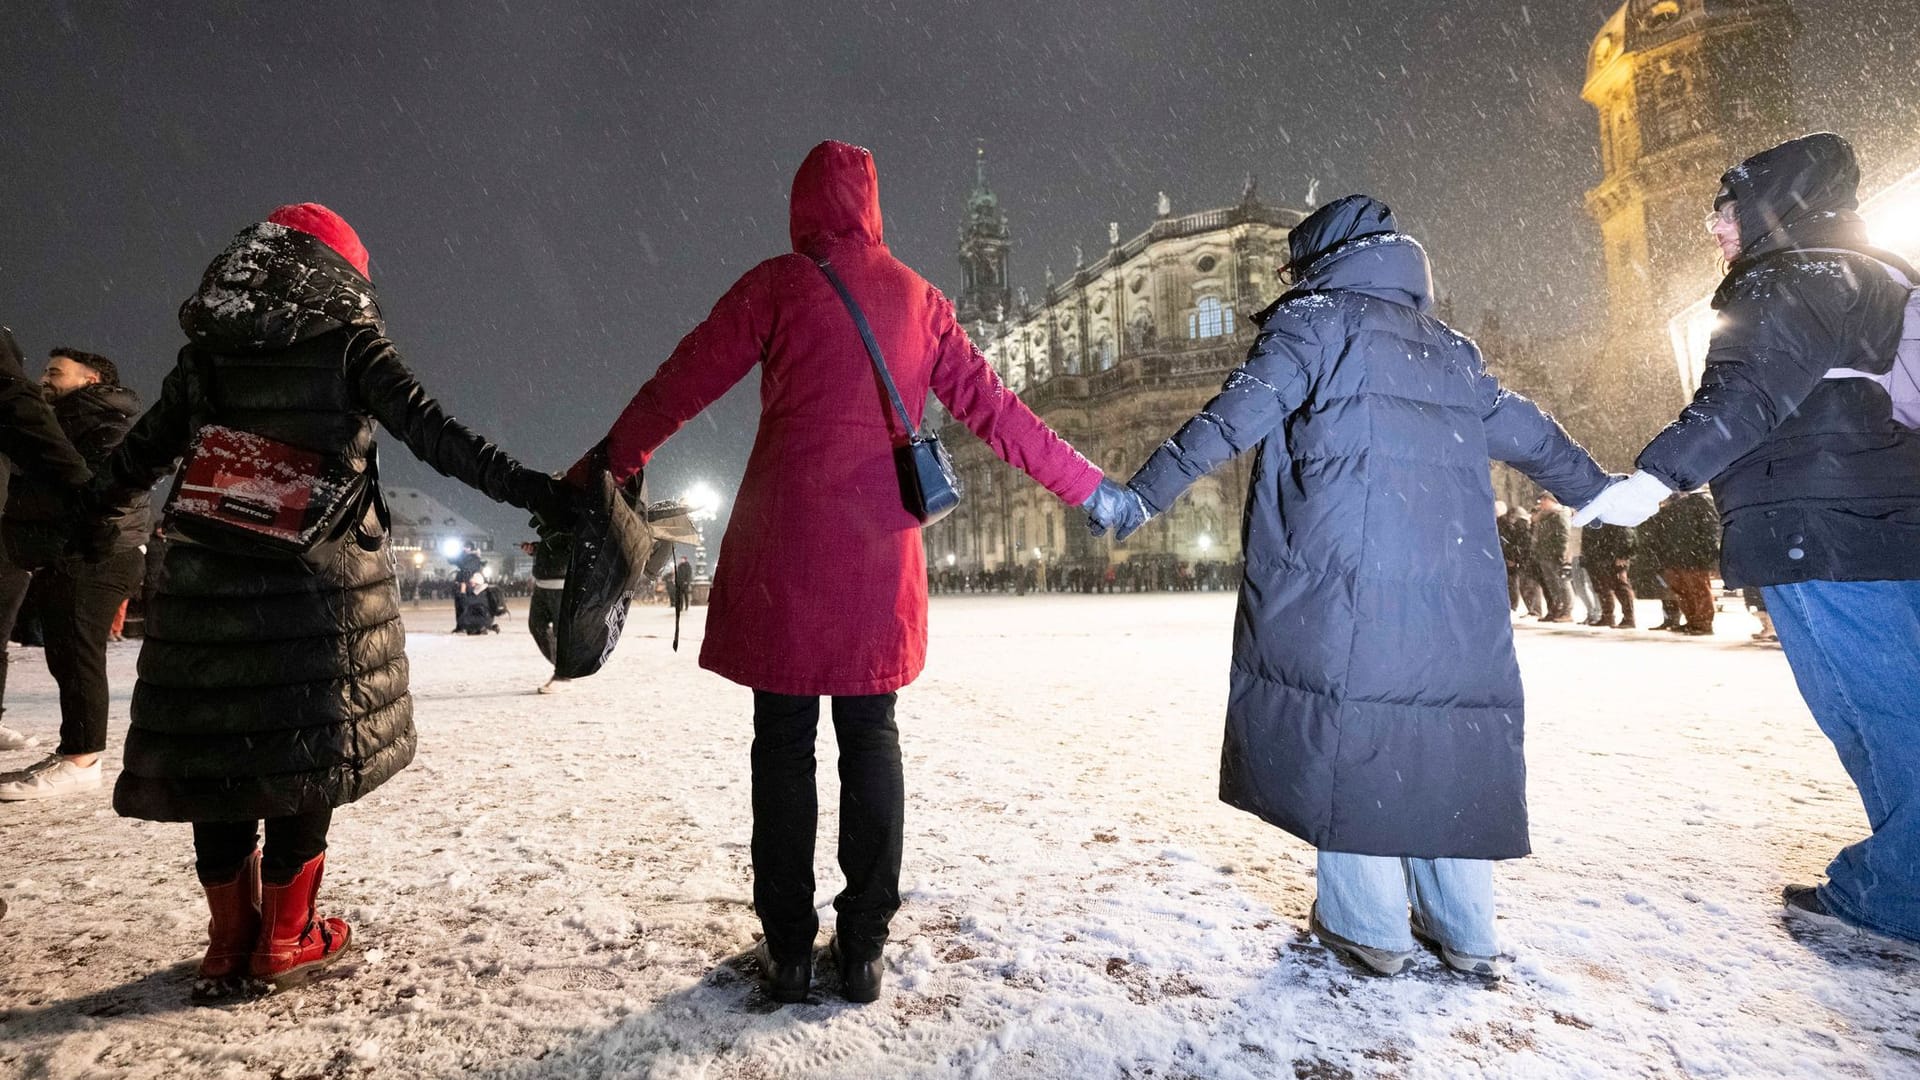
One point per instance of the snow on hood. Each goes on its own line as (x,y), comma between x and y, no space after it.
(1810,179)
(275,286)
(1354,243)
(836,196)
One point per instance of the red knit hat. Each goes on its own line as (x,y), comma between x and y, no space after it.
(331,229)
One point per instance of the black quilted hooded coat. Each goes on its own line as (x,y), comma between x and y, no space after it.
(267,688)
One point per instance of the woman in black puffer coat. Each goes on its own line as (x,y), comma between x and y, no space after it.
(268,690)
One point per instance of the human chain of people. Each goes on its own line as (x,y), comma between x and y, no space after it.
(1377,593)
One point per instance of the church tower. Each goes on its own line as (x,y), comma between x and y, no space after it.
(985,296)
(1684,89)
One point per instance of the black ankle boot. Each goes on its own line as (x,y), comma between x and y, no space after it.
(786,981)
(859,978)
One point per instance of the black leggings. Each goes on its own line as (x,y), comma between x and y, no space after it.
(220,847)
(786,815)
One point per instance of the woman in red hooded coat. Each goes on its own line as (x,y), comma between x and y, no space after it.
(823,587)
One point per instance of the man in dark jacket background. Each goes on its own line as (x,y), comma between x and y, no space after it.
(1818,488)
(76,593)
(30,441)
(1550,567)
(1688,554)
(1516,548)
(1608,551)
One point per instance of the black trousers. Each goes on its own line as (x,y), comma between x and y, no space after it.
(219,847)
(13,592)
(1558,593)
(786,818)
(77,602)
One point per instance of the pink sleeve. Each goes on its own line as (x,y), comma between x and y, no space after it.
(705,365)
(970,389)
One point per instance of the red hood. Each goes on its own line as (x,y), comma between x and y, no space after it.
(836,195)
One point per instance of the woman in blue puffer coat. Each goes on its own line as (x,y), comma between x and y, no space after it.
(1375,709)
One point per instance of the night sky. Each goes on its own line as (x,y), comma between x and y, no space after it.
(555,193)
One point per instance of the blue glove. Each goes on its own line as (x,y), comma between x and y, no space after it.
(1112,506)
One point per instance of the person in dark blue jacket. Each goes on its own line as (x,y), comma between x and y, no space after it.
(1375,709)
(1818,489)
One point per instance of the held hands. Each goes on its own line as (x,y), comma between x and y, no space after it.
(1112,506)
(1627,501)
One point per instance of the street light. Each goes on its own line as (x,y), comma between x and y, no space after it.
(952,558)
(451,547)
(703,502)
(1206,543)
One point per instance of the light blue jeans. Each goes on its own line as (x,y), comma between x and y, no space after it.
(1365,899)
(1854,647)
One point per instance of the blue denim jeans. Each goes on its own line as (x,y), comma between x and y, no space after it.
(1365,899)
(1855,651)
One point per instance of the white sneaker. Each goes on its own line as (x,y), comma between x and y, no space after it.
(49,778)
(557,686)
(16,740)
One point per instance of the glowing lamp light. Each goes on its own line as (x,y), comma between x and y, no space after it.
(451,547)
(1893,217)
(952,558)
(1206,542)
(703,502)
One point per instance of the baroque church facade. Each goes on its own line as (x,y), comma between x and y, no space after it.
(1124,350)
(1115,357)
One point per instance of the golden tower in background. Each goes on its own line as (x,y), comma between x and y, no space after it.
(1684,89)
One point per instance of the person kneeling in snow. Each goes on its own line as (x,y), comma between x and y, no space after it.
(1376,707)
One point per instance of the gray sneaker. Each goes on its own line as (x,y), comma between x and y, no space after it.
(1378,961)
(16,740)
(1486,967)
(1803,902)
(51,777)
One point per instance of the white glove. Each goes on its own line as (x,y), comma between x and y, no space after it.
(1625,502)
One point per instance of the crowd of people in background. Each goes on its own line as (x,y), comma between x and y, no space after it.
(1673,557)
(1128,577)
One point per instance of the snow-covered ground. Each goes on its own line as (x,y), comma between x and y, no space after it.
(559,885)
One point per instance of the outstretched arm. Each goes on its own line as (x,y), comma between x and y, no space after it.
(1523,436)
(705,365)
(156,444)
(1256,399)
(970,389)
(395,397)
(1762,363)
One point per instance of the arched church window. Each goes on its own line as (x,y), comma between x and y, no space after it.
(1103,353)
(1209,319)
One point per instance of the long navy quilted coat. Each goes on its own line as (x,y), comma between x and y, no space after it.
(1376,700)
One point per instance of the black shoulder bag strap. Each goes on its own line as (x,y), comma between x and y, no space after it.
(873,347)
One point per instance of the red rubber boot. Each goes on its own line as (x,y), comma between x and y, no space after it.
(292,941)
(235,928)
